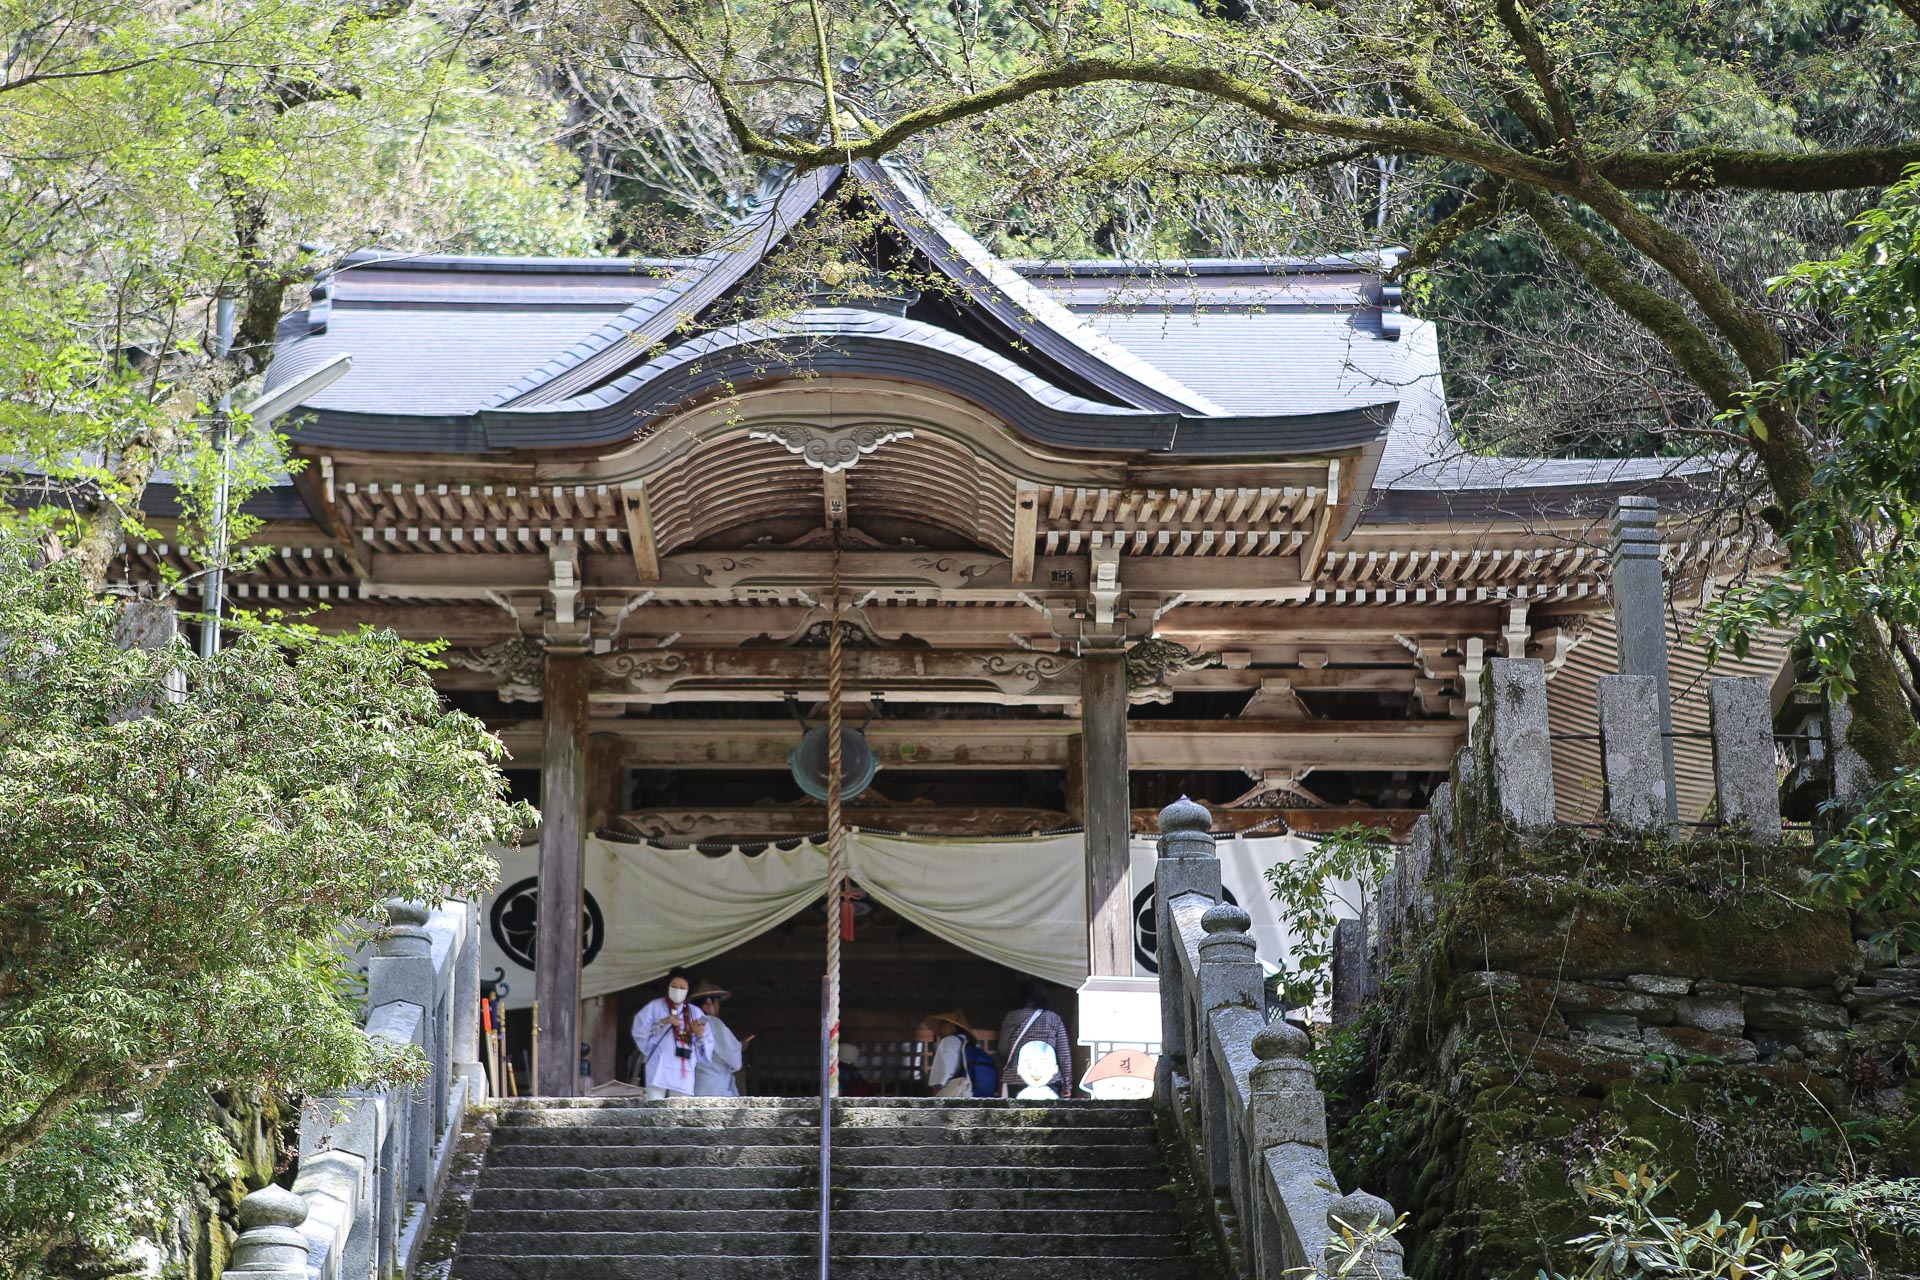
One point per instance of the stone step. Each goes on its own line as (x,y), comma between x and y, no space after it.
(1143,1106)
(635,1156)
(922,1176)
(488,1200)
(756,1115)
(856,1218)
(855,1136)
(676,1244)
(914,1266)
(1051,1199)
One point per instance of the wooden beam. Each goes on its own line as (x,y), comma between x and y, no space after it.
(833,492)
(646,553)
(911,574)
(1323,525)
(1012,676)
(1355,745)
(772,822)
(1026,515)
(789,821)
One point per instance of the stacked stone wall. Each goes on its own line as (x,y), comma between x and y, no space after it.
(1535,1005)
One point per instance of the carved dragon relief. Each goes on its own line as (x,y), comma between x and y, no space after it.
(829,450)
(518,663)
(1152,663)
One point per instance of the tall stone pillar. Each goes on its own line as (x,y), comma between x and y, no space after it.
(563,834)
(1640,615)
(1103,740)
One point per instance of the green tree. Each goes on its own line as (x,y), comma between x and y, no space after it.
(1587,119)
(1862,392)
(189,842)
(179,870)
(160,157)
(1337,878)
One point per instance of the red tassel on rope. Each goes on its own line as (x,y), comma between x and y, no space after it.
(847,897)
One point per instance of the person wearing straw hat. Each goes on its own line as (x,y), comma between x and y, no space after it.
(947,1075)
(714,1074)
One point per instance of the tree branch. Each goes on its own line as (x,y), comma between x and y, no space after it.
(1487,202)
(1539,62)
(1729,168)
(1660,315)
(16,1138)
(824,56)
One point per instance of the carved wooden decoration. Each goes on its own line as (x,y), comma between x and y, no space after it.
(519,664)
(829,450)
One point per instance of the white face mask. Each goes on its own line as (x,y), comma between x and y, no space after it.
(677,995)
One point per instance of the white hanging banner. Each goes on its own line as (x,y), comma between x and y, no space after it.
(1243,875)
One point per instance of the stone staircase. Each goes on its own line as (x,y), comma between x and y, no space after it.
(699,1188)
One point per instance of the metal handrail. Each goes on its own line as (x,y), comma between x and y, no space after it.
(826,1129)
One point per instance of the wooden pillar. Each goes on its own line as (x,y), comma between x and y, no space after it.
(1108,811)
(556,974)
(606,800)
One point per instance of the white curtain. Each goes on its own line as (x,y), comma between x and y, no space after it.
(1018,902)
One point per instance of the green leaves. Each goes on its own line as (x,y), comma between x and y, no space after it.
(1337,878)
(173,886)
(1858,392)
(1633,1241)
(177,153)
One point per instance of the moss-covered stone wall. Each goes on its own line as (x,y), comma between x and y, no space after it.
(1590,1001)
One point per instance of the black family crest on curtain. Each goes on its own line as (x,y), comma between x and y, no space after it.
(515,920)
(1146,937)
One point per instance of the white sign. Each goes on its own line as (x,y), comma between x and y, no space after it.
(1120,1011)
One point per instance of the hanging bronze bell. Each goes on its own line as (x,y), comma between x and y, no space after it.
(808,762)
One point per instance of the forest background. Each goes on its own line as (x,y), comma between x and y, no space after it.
(158,157)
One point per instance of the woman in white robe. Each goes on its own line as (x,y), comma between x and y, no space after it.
(715,1076)
(673,1037)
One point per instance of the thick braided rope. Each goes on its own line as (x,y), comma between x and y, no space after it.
(836,831)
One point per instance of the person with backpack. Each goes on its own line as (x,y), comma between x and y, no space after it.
(961,1067)
(1036,1023)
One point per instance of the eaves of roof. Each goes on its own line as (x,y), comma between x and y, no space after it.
(840,340)
(1370,262)
(655,319)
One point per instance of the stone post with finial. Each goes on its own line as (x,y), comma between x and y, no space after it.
(270,1245)
(1229,978)
(1358,1213)
(1187,864)
(1287,1149)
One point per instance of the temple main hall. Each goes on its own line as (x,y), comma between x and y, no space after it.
(1101,534)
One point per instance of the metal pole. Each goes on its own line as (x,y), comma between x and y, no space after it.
(216,582)
(826,1128)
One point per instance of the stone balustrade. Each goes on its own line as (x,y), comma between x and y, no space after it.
(1244,1095)
(373,1162)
